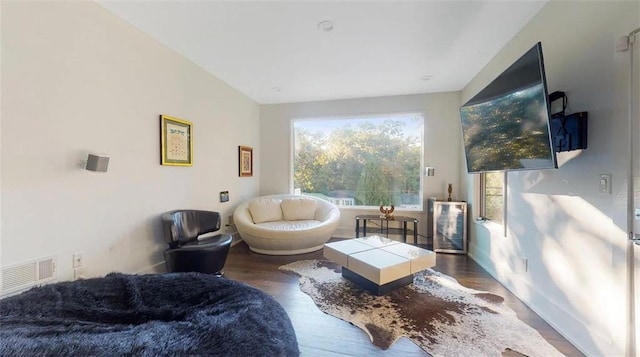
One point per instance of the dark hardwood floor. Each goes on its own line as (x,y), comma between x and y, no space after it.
(320,334)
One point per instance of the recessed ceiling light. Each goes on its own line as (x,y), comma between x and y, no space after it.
(427,77)
(326,25)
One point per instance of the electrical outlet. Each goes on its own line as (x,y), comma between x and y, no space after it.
(77,260)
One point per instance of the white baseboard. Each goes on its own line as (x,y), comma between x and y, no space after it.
(154,269)
(552,311)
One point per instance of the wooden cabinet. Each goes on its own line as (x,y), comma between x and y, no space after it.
(448,226)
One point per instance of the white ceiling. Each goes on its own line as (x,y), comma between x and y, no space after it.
(274,52)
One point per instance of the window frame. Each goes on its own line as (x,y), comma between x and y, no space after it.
(381,116)
(483,205)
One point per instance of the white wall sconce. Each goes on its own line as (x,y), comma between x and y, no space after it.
(429,171)
(97,162)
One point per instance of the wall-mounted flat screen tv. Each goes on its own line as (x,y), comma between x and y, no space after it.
(506,125)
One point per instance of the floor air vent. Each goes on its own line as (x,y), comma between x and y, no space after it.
(22,276)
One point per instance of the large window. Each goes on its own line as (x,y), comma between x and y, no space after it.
(363,161)
(492,196)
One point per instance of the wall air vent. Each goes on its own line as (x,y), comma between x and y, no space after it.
(19,277)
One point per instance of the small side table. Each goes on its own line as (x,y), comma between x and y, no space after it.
(384,225)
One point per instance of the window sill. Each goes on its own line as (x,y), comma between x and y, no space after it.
(493,227)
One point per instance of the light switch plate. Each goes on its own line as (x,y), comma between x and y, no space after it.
(605,183)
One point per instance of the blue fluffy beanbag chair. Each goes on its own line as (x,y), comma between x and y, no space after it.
(176,314)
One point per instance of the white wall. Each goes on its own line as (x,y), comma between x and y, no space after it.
(573,236)
(76,78)
(442,143)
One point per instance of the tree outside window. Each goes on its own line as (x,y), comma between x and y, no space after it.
(368,161)
(492,185)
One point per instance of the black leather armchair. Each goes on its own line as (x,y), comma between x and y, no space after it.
(186,252)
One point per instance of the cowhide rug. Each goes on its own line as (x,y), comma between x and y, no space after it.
(435,312)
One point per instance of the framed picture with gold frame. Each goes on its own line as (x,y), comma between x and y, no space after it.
(176,141)
(245,161)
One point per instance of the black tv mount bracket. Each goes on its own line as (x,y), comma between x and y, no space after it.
(558,95)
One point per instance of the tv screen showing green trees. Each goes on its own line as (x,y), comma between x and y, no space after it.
(506,126)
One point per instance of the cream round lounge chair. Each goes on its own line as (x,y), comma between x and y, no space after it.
(286,224)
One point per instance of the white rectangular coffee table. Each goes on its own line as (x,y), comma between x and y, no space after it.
(377,264)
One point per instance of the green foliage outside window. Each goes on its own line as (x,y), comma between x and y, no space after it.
(373,161)
(493,196)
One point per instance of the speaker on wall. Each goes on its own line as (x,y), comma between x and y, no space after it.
(97,163)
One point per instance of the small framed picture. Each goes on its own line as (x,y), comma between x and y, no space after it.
(245,161)
(176,141)
(224,196)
